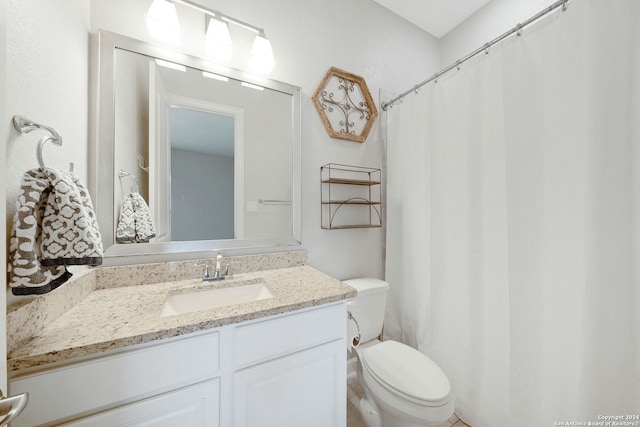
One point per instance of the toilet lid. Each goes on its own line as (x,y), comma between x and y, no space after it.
(407,372)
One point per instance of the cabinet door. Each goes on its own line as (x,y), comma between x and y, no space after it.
(196,406)
(307,389)
(105,382)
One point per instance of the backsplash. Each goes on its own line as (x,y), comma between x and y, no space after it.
(25,321)
(138,274)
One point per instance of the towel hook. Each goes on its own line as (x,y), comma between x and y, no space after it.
(25,125)
(123,174)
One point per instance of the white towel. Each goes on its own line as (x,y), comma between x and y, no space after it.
(134,223)
(54,226)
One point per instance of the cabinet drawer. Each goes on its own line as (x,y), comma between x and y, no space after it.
(102,383)
(196,406)
(267,339)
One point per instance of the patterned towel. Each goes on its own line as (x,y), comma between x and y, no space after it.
(134,224)
(54,226)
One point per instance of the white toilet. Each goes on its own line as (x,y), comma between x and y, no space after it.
(402,386)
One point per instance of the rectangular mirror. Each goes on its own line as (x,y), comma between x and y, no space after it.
(191,156)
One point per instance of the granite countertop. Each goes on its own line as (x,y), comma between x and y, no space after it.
(122,316)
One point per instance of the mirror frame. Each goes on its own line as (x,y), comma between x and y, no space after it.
(102,155)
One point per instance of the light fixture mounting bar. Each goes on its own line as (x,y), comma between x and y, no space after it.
(243,24)
(220,15)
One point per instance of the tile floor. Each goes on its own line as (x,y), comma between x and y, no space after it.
(355,420)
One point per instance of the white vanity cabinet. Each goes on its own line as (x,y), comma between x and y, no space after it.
(291,371)
(119,379)
(190,406)
(302,389)
(287,370)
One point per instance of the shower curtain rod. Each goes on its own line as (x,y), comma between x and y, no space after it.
(484,48)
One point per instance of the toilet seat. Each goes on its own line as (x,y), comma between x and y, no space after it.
(407,373)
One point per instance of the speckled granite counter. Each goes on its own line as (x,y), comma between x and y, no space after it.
(122,316)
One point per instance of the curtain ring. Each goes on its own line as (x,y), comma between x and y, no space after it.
(458,65)
(486,48)
(564,5)
(435,77)
(519,27)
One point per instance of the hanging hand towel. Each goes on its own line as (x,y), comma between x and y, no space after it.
(134,224)
(54,226)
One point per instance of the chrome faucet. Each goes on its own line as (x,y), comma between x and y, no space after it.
(217,275)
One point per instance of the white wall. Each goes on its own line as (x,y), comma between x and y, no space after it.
(492,20)
(47,79)
(4,131)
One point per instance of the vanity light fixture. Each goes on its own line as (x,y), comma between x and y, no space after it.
(162,22)
(217,40)
(261,57)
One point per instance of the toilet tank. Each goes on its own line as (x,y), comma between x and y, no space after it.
(367,307)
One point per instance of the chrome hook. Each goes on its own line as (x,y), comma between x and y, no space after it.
(25,125)
(134,186)
(41,143)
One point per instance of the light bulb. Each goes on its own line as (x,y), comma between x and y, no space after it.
(261,58)
(217,41)
(162,21)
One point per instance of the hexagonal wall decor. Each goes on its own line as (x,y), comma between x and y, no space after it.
(345,105)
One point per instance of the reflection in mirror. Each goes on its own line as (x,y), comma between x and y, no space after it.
(202,151)
(215,152)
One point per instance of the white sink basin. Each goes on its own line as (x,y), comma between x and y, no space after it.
(221,297)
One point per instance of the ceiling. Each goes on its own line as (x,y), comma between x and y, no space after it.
(437,17)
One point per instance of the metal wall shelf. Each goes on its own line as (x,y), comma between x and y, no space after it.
(351,197)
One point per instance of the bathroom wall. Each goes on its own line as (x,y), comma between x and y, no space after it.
(490,21)
(4,130)
(47,79)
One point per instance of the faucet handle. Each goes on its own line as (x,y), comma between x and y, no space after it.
(206,269)
(227,271)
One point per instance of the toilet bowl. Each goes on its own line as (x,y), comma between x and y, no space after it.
(402,386)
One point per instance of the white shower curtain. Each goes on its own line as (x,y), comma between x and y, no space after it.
(513,222)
